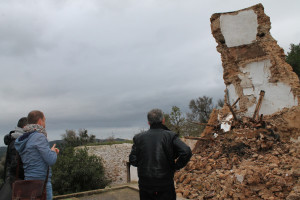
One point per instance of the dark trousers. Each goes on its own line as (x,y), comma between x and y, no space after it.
(150,194)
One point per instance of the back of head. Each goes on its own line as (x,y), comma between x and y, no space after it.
(155,116)
(22,122)
(34,116)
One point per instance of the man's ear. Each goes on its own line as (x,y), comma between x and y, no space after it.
(163,121)
(39,122)
(149,123)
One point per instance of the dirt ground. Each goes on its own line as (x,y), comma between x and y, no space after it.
(124,194)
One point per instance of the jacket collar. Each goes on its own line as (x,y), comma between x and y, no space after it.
(158,126)
(25,135)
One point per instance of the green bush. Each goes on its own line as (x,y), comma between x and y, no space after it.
(76,171)
(293,58)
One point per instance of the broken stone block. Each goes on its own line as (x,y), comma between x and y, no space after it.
(179,195)
(186,193)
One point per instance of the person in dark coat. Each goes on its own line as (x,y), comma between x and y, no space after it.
(157,154)
(11,161)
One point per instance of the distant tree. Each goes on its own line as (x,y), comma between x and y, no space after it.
(293,58)
(167,121)
(83,135)
(175,121)
(70,138)
(200,109)
(92,139)
(76,171)
(220,103)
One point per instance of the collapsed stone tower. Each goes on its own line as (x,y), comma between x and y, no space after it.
(255,71)
(242,155)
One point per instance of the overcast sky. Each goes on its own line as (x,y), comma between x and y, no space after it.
(101,65)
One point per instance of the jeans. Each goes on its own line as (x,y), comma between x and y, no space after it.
(49,190)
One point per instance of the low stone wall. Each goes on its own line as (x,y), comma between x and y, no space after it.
(114,159)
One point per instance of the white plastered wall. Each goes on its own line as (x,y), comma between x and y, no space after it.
(232,95)
(254,78)
(239,29)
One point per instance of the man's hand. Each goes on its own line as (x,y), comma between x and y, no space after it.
(55,149)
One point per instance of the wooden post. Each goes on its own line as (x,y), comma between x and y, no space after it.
(258,105)
(128,172)
(232,112)
(235,102)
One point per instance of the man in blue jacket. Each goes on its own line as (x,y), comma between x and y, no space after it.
(154,153)
(35,152)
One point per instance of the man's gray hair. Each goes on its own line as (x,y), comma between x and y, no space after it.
(155,116)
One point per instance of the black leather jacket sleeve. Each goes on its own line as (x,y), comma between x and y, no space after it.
(183,151)
(133,156)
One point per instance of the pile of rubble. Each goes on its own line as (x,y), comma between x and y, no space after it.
(244,163)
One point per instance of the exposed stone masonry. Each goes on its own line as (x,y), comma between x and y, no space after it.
(114,158)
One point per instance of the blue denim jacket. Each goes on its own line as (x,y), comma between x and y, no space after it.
(36,155)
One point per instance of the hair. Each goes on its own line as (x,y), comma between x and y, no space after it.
(34,116)
(22,122)
(155,116)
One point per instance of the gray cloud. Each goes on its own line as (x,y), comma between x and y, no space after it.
(101,65)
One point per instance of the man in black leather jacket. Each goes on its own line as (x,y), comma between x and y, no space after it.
(154,153)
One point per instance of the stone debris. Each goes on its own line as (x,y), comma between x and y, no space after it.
(245,163)
(251,148)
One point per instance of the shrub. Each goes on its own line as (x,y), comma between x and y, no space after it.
(76,171)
